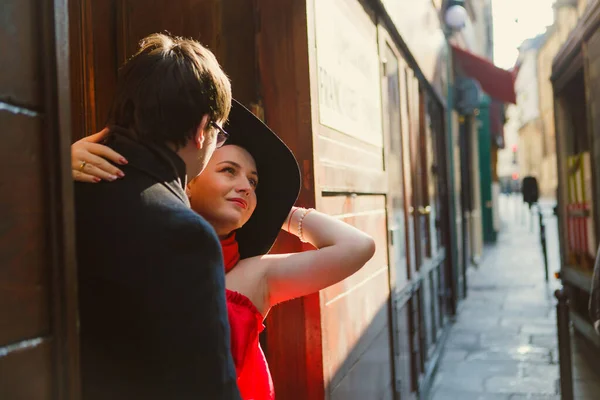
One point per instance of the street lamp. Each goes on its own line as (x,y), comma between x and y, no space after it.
(456,15)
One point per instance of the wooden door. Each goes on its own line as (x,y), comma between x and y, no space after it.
(105,33)
(38,306)
(466,201)
(418,161)
(407,220)
(242,34)
(432,214)
(401,286)
(437,192)
(406,98)
(435,189)
(351,182)
(409,111)
(592,50)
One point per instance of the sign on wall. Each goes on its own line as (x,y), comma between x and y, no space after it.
(348,70)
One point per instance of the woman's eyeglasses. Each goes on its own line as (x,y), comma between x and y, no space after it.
(222,135)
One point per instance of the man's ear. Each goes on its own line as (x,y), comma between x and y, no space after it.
(200,135)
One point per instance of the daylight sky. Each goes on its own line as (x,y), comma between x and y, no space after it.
(515,21)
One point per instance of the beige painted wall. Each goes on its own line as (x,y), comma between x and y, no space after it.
(565,20)
(582,4)
(505,166)
(530,148)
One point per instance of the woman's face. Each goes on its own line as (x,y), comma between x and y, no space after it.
(225,192)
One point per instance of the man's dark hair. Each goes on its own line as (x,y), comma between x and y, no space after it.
(166,88)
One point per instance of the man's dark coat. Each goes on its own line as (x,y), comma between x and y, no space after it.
(151,286)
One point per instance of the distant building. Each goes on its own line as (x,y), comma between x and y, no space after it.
(529,123)
(533,119)
(508,167)
(565,19)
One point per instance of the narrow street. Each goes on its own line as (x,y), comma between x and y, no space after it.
(503,344)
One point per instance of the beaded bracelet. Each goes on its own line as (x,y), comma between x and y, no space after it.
(300,233)
(290,218)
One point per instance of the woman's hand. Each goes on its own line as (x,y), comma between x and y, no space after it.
(89,160)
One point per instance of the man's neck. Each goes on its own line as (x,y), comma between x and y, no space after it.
(180,164)
(189,155)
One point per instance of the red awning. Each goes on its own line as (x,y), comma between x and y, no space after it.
(496,82)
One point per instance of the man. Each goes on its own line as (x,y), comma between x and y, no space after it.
(151,277)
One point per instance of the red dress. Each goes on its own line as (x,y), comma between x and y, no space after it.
(246,322)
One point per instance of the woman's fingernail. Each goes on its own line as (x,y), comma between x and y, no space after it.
(112,178)
(96,179)
(120,174)
(123,161)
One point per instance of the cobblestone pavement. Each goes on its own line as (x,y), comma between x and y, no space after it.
(503,344)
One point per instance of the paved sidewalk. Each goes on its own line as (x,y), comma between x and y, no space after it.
(503,344)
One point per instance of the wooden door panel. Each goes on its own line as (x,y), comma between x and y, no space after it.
(24,282)
(196,19)
(592,48)
(404,368)
(38,343)
(405,99)
(394,166)
(396,214)
(355,311)
(369,378)
(20,81)
(109,32)
(347,164)
(106,60)
(24,277)
(417,159)
(28,373)
(435,303)
(435,167)
(417,230)
(427,328)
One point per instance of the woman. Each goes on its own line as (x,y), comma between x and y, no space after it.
(247,193)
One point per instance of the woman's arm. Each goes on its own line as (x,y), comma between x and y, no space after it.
(341,251)
(89,160)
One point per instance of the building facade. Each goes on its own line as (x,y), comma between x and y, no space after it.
(530,147)
(536,151)
(507,165)
(565,19)
(576,86)
(355,88)
(358,89)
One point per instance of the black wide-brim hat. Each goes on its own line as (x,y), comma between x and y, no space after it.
(278,180)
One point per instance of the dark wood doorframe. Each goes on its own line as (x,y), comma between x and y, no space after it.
(425,202)
(416,168)
(286,73)
(466,197)
(444,219)
(399,269)
(60,201)
(81,67)
(270,26)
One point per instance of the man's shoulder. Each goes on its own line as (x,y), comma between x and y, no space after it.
(139,203)
(181,218)
(135,187)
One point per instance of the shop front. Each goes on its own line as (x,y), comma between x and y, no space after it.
(576,83)
(361,108)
